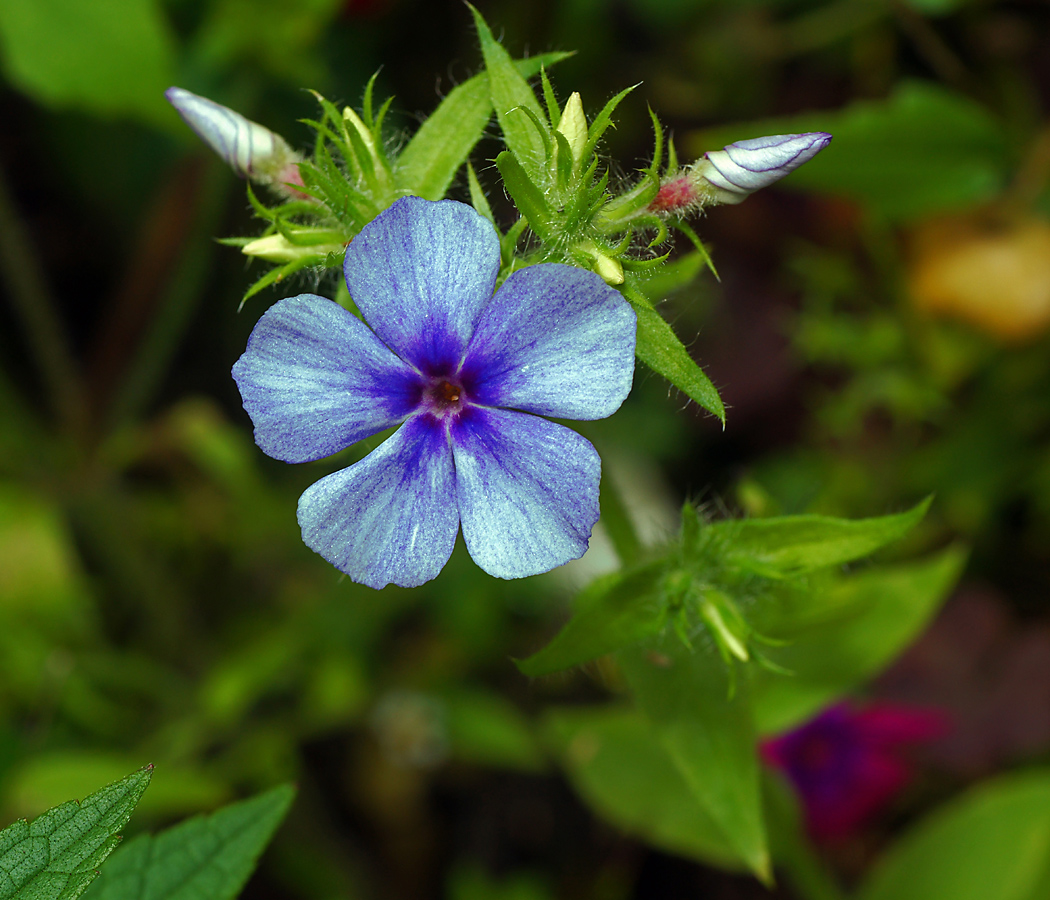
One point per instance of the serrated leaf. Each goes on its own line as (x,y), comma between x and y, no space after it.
(661,350)
(56,856)
(431,159)
(619,767)
(613,611)
(992,843)
(510,94)
(793,545)
(204,858)
(708,734)
(891,605)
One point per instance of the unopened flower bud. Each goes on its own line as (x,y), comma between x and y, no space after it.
(607,266)
(741,168)
(277,248)
(250,149)
(573,124)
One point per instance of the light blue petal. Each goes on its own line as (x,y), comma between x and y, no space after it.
(391,518)
(420,273)
(315,380)
(555,340)
(527,490)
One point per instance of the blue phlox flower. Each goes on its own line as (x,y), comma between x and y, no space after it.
(467,374)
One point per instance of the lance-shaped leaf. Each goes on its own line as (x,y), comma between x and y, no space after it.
(617,764)
(203,858)
(659,348)
(890,607)
(511,95)
(708,733)
(56,856)
(794,545)
(993,843)
(431,159)
(614,611)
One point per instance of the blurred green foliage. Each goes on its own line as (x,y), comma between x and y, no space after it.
(156,603)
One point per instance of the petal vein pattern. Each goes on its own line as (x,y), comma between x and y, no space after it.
(315,380)
(421,273)
(390,518)
(464,372)
(555,341)
(527,491)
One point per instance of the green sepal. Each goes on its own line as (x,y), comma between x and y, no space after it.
(477,196)
(553,110)
(687,230)
(526,195)
(612,612)
(602,121)
(279,274)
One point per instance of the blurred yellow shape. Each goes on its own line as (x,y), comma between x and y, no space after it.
(993,274)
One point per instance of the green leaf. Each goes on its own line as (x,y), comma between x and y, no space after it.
(56,856)
(203,858)
(709,735)
(619,767)
(788,844)
(431,159)
(486,728)
(511,93)
(106,57)
(527,197)
(793,545)
(659,348)
(674,275)
(993,843)
(924,150)
(613,611)
(891,605)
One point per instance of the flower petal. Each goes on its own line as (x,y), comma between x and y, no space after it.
(390,518)
(527,491)
(555,340)
(315,380)
(420,273)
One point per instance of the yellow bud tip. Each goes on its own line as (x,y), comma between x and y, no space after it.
(573,124)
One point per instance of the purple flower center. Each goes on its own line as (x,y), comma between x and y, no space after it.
(445,392)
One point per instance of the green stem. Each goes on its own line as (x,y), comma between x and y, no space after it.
(35,310)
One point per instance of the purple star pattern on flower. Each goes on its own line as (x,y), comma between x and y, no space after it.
(846,763)
(466,374)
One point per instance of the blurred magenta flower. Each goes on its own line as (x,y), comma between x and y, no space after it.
(463,372)
(746,166)
(847,763)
